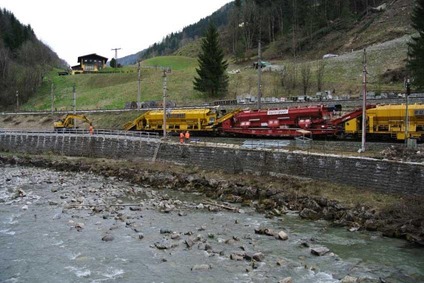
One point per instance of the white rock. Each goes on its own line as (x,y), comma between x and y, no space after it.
(283,235)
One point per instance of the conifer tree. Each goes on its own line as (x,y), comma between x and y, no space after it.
(416,47)
(212,78)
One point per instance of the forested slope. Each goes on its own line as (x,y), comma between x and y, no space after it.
(24,61)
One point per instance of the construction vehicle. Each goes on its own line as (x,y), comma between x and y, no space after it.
(197,121)
(288,122)
(388,122)
(68,122)
(384,122)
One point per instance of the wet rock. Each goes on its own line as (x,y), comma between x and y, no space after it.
(97,209)
(281,262)
(371,225)
(237,256)
(141,236)
(25,207)
(286,280)
(136,228)
(319,251)
(165,245)
(19,193)
(308,213)
(182,213)
(201,267)
(313,205)
(353,229)
(282,236)
(53,190)
(189,243)
(114,226)
(254,264)
(200,206)
(165,231)
(208,247)
(269,232)
(135,208)
(265,231)
(349,279)
(213,208)
(258,256)
(79,226)
(175,236)
(108,238)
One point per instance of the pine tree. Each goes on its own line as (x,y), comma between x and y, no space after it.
(416,48)
(212,78)
(113,63)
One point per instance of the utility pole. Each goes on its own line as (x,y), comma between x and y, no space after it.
(74,102)
(139,86)
(17,101)
(52,96)
(164,103)
(364,102)
(259,72)
(116,56)
(408,91)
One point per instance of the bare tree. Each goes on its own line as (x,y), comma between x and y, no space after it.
(289,78)
(4,63)
(305,72)
(320,74)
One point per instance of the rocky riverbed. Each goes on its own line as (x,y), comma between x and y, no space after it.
(271,196)
(91,221)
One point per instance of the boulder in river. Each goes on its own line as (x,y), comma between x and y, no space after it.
(107,238)
(286,280)
(319,251)
(282,236)
(349,279)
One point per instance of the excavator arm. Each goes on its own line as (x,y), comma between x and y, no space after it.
(69,121)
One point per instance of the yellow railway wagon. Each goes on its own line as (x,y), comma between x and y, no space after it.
(389,121)
(199,120)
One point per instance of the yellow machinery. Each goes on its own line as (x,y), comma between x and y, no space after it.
(388,121)
(69,122)
(195,120)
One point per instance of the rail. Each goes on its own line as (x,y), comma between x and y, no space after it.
(96,132)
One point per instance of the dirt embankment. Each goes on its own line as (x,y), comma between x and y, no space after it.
(394,216)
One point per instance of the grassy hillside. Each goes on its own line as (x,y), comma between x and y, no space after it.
(113,90)
(384,35)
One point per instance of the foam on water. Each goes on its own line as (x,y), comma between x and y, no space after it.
(79,272)
(7,232)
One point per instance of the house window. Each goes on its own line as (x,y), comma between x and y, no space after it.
(89,68)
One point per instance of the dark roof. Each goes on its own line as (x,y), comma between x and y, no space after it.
(92,56)
(77,67)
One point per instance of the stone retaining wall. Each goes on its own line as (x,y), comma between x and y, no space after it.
(381,175)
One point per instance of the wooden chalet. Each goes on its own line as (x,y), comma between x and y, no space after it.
(89,63)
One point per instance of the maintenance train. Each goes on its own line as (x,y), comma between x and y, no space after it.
(384,122)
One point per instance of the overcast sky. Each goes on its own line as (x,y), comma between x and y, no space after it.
(80,27)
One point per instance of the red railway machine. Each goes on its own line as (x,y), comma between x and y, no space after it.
(283,122)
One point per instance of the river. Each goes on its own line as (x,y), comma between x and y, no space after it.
(80,227)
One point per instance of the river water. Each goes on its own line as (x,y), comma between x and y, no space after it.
(49,233)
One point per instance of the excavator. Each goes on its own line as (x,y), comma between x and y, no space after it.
(69,122)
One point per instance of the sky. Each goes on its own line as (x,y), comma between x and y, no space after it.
(80,27)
